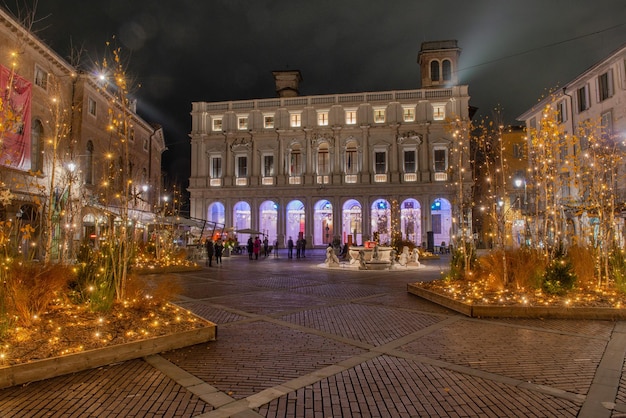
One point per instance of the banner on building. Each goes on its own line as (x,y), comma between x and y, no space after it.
(15,101)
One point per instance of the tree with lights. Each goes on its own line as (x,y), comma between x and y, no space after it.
(118,186)
(548,155)
(599,175)
(464,245)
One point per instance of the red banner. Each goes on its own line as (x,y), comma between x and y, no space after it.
(15,117)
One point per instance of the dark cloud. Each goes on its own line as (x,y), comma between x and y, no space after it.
(189,50)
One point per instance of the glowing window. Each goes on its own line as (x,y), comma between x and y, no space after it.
(217,124)
(350,117)
(242,123)
(295,120)
(408,114)
(322,118)
(379,115)
(439,111)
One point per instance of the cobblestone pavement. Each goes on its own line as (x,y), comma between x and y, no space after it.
(297,340)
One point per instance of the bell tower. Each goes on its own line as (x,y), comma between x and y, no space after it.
(438,62)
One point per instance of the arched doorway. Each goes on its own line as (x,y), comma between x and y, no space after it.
(323,226)
(295,219)
(242,219)
(351,225)
(381,221)
(441,221)
(268,215)
(410,221)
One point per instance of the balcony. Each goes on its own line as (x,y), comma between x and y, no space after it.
(335,99)
(215,183)
(380,178)
(350,178)
(441,176)
(410,177)
(241,181)
(267,181)
(324,179)
(295,179)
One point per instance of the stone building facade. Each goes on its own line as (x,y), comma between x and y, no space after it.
(60,146)
(596,97)
(334,168)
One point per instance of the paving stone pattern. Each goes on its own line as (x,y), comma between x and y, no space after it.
(297,340)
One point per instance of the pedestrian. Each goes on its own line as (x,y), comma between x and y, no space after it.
(250,247)
(219,249)
(257,248)
(298,247)
(303,245)
(275,249)
(210,250)
(290,248)
(266,247)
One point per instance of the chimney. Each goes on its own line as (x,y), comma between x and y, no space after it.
(287,82)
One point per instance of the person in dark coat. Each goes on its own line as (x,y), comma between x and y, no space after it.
(219,249)
(303,247)
(266,247)
(290,248)
(210,250)
(250,247)
(298,248)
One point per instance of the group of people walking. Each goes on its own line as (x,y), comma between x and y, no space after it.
(213,249)
(300,246)
(255,246)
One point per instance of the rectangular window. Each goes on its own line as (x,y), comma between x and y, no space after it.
(295,163)
(322,118)
(605,86)
(242,166)
(216,167)
(439,111)
(91,106)
(582,98)
(242,123)
(380,162)
(295,120)
(409,161)
(217,124)
(606,125)
(350,117)
(41,78)
(323,161)
(379,115)
(408,114)
(268,165)
(268,121)
(351,162)
(518,151)
(561,112)
(131,135)
(145,144)
(441,160)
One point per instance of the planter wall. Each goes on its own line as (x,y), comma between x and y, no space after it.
(72,363)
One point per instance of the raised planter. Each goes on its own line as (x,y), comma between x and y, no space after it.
(72,363)
(492,311)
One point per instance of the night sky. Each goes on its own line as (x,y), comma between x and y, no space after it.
(181,51)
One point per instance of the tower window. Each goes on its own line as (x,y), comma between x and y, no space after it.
(434,71)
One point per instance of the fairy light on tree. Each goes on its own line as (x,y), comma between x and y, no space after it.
(116,188)
(462,221)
